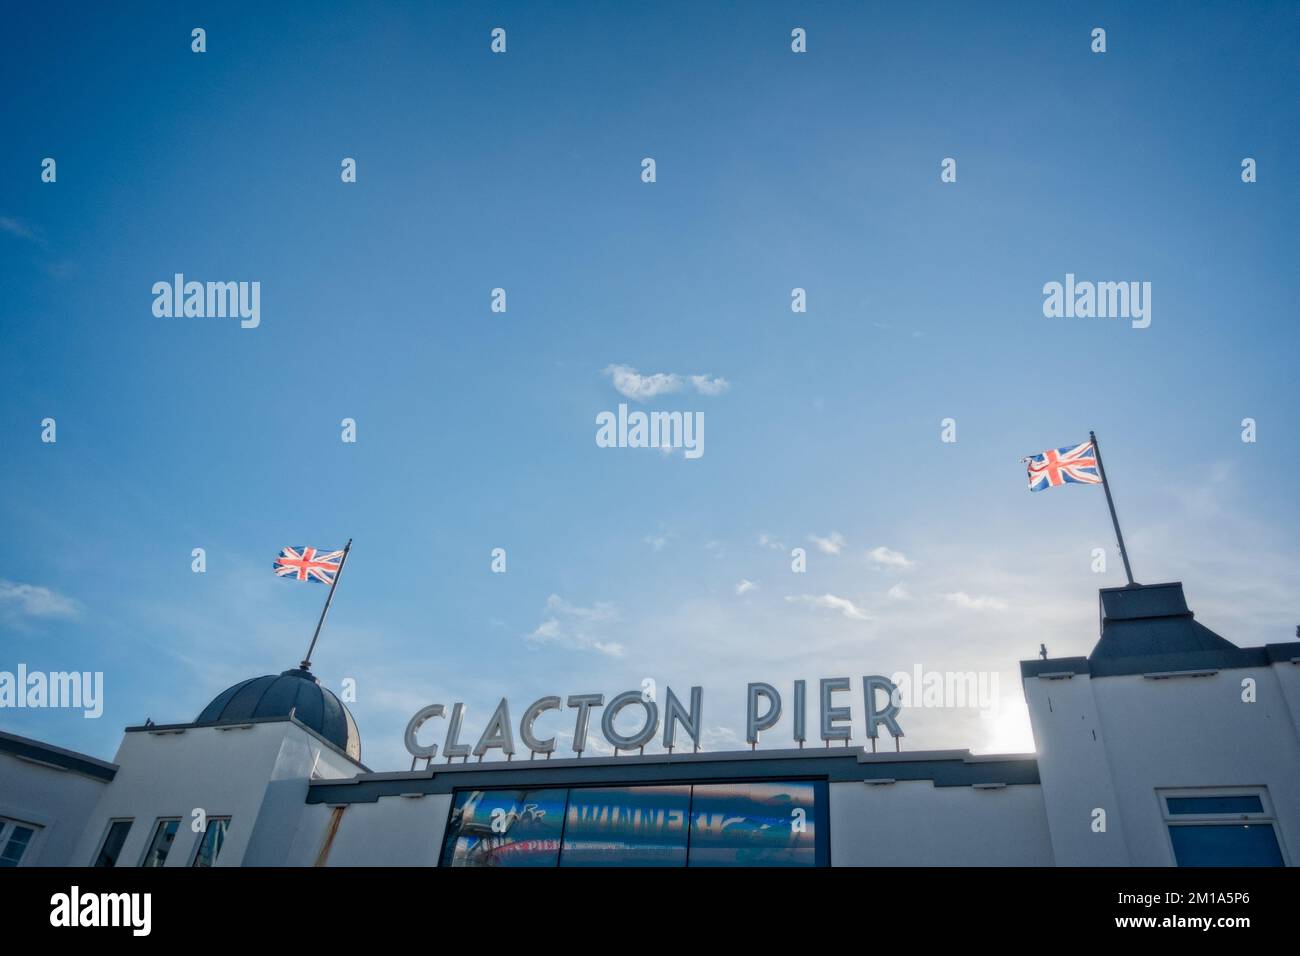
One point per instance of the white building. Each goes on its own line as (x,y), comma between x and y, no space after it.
(1167,745)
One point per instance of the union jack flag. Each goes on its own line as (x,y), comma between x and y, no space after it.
(308,564)
(1059,466)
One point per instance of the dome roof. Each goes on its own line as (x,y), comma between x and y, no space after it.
(295,692)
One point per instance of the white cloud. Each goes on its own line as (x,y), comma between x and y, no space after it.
(833,544)
(899,592)
(640,388)
(982,603)
(658,541)
(831,603)
(630,383)
(745,586)
(29,600)
(765,540)
(719,739)
(595,743)
(710,386)
(599,612)
(889,558)
(570,626)
(17,228)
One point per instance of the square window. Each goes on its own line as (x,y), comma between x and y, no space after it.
(1226,844)
(1221,827)
(14,839)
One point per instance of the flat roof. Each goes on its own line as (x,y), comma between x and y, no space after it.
(245,722)
(943,768)
(1221,659)
(37,752)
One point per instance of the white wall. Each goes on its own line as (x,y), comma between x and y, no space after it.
(1157,734)
(392,831)
(257,775)
(58,801)
(1197,732)
(914,823)
(1075,772)
(904,824)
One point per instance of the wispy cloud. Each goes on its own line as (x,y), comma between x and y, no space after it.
(710,386)
(899,592)
(658,541)
(889,558)
(829,602)
(982,603)
(745,586)
(766,540)
(32,601)
(632,384)
(831,544)
(16,227)
(640,388)
(574,627)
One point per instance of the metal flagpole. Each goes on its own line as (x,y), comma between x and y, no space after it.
(306,661)
(1123,551)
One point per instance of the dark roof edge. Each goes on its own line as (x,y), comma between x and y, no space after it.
(34,750)
(1210,659)
(166,728)
(945,768)
(1138,587)
(1053,666)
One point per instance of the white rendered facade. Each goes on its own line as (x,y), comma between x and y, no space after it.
(1162,741)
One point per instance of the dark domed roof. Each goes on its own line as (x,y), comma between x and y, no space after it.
(296,692)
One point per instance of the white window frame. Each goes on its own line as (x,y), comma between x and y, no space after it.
(7,825)
(153,832)
(1266,816)
(108,829)
(198,844)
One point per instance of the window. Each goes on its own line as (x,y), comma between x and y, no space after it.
(744,823)
(113,840)
(1208,805)
(214,838)
(15,837)
(626,826)
(164,834)
(754,824)
(505,828)
(1221,828)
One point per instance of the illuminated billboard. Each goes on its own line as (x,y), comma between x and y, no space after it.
(505,828)
(629,826)
(770,823)
(754,824)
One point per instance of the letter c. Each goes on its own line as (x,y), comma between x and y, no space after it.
(534,711)
(413,746)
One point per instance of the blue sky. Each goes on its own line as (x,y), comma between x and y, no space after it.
(476,430)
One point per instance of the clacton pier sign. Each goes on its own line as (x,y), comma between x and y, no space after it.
(765,707)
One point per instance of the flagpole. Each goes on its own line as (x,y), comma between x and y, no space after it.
(1110,503)
(306,661)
